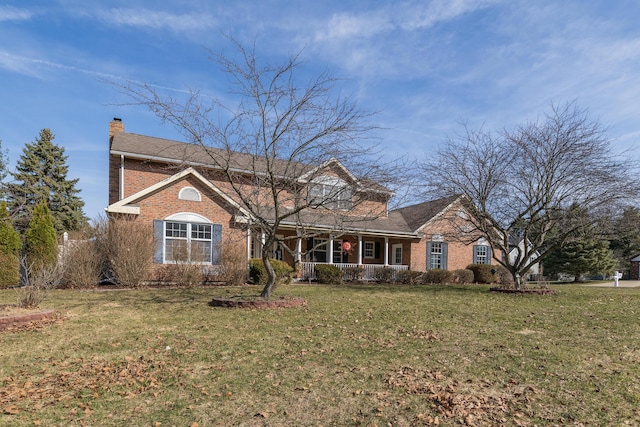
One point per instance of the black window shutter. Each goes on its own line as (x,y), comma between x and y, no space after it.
(445,255)
(377,250)
(158,240)
(309,255)
(429,246)
(216,239)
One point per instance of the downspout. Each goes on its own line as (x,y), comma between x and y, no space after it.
(121,176)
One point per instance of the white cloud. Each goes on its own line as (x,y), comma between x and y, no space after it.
(17,64)
(41,68)
(421,15)
(8,13)
(157,20)
(347,26)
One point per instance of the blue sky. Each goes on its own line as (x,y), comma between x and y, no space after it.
(425,65)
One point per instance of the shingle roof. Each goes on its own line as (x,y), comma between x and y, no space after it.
(166,150)
(415,216)
(394,223)
(403,221)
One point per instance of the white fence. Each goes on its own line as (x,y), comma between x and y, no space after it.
(308,269)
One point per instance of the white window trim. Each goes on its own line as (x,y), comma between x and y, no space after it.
(189,239)
(320,245)
(343,199)
(393,254)
(436,255)
(486,256)
(365,249)
(183,194)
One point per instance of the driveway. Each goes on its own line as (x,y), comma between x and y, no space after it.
(621,284)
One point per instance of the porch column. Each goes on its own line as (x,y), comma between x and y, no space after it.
(386,251)
(330,249)
(262,240)
(359,249)
(298,250)
(248,243)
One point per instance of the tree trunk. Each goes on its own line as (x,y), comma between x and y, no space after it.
(271,277)
(517,281)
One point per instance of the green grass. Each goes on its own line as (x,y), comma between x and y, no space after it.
(355,355)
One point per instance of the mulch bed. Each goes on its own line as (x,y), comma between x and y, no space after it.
(11,317)
(257,302)
(525,291)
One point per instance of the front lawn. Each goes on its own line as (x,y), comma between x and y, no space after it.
(355,355)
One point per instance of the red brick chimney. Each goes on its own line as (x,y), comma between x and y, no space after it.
(115,125)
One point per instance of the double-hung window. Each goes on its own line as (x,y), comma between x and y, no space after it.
(481,254)
(330,192)
(437,255)
(369,250)
(317,250)
(178,241)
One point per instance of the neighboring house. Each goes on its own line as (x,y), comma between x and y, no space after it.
(634,268)
(172,186)
(517,246)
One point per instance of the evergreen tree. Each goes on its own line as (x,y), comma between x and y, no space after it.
(41,246)
(10,246)
(581,257)
(41,175)
(4,161)
(625,236)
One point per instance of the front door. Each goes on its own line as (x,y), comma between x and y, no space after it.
(396,254)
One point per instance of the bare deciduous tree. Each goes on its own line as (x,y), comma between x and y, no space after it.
(272,137)
(530,181)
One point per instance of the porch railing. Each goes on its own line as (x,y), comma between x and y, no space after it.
(308,269)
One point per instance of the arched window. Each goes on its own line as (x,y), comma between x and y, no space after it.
(189,193)
(187,237)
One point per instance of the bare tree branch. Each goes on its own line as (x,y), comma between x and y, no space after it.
(533,180)
(276,140)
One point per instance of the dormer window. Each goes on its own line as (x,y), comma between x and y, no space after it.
(189,193)
(330,192)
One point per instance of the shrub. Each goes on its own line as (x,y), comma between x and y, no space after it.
(10,246)
(233,263)
(384,274)
(184,271)
(81,265)
(353,274)
(38,280)
(504,277)
(41,246)
(409,277)
(437,276)
(329,274)
(463,276)
(259,276)
(483,273)
(9,270)
(126,250)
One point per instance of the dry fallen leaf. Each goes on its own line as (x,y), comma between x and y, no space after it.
(11,410)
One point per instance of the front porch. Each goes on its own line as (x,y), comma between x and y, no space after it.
(359,256)
(308,269)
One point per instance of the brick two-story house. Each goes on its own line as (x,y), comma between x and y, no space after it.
(174,186)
